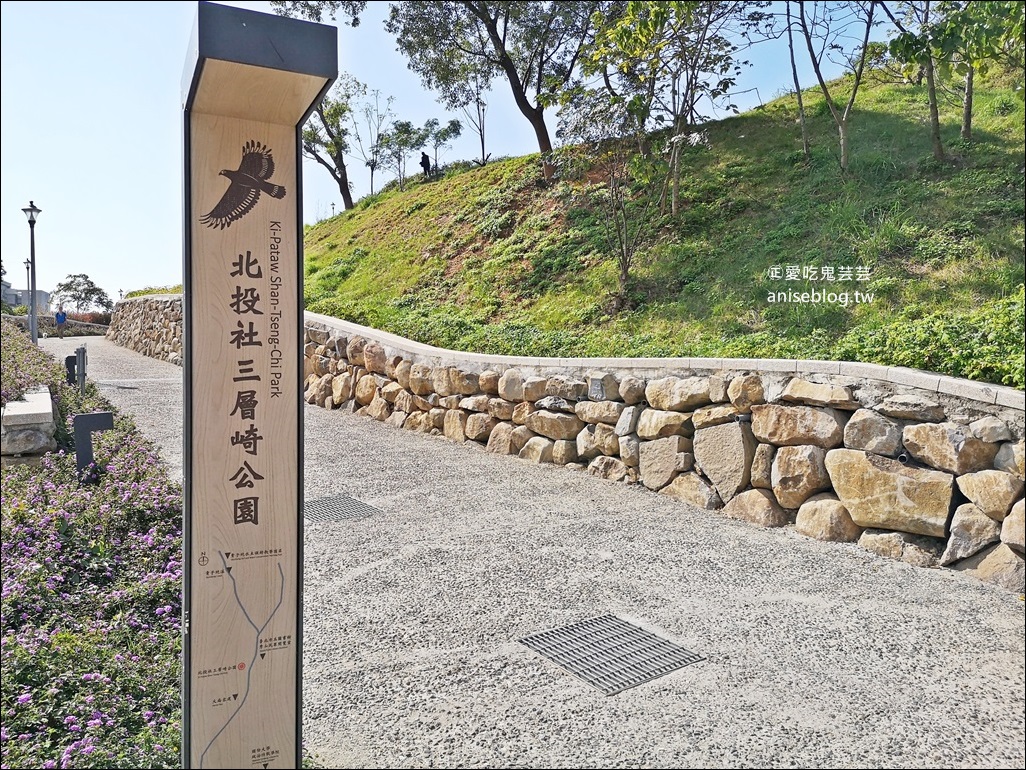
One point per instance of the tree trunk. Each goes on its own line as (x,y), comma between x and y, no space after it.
(797,88)
(931,90)
(343,186)
(842,131)
(967,107)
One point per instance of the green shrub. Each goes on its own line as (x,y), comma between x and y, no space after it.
(984,343)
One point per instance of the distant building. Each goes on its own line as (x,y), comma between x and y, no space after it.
(15,297)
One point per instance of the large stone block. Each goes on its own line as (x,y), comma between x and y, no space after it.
(1011,458)
(717,414)
(500,409)
(390,391)
(904,407)
(477,403)
(534,388)
(341,388)
(537,450)
(1013,528)
(745,391)
(520,436)
(522,411)
(628,421)
(632,390)
(602,386)
(421,380)
(948,446)
(999,565)
(993,492)
(354,350)
(463,383)
(658,460)
(824,517)
(441,381)
(917,550)
(566,388)
(608,468)
(882,493)
(657,423)
(511,385)
(758,507)
(374,358)
(402,373)
(630,450)
(971,531)
(798,473)
(366,390)
(379,408)
(479,426)
(802,391)
(607,412)
(725,454)
(990,429)
(488,381)
(555,425)
(762,466)
(556,404)
(872,432)
(454,425)
(564,452)
(500,441)
(678,394)
(795,425)
(692,489)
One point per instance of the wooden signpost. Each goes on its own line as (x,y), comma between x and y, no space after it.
(250,82)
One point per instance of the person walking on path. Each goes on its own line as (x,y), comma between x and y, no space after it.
(425,163)
(61,318)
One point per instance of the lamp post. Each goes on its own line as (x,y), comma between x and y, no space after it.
(32,213)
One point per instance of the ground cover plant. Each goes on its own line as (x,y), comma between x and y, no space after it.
(91,593)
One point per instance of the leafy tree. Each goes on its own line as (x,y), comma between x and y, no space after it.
(960,38)
(439,136)
(828,27)
(913,45)
(367,130)
(664,60)
(80,291)
(397,143)
(314,11)
(536,46)
(326,134)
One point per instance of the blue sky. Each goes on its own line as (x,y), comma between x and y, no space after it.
(91,131)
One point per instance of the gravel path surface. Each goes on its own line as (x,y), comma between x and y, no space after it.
(816,654)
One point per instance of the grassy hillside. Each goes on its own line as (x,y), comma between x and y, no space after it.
(492,260)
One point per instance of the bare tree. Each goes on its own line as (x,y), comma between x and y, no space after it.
(834,27)
(367,131)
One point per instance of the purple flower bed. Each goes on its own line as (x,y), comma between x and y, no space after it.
(22,363)
(91,591)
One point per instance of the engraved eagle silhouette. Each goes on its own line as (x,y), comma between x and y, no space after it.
(247,182)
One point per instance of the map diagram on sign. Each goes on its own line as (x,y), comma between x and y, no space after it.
(240,699)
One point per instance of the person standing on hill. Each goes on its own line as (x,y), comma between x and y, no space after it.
(425,163)
(61,318)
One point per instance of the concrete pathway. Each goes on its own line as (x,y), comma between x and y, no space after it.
(816,654)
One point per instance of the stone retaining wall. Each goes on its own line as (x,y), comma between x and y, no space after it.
(150,325)
(911,465)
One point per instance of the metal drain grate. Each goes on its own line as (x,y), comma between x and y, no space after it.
(610,654)
(337,508)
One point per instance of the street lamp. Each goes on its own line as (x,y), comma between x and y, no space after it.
(33,214)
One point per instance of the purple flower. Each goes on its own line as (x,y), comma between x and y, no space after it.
(24,698)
